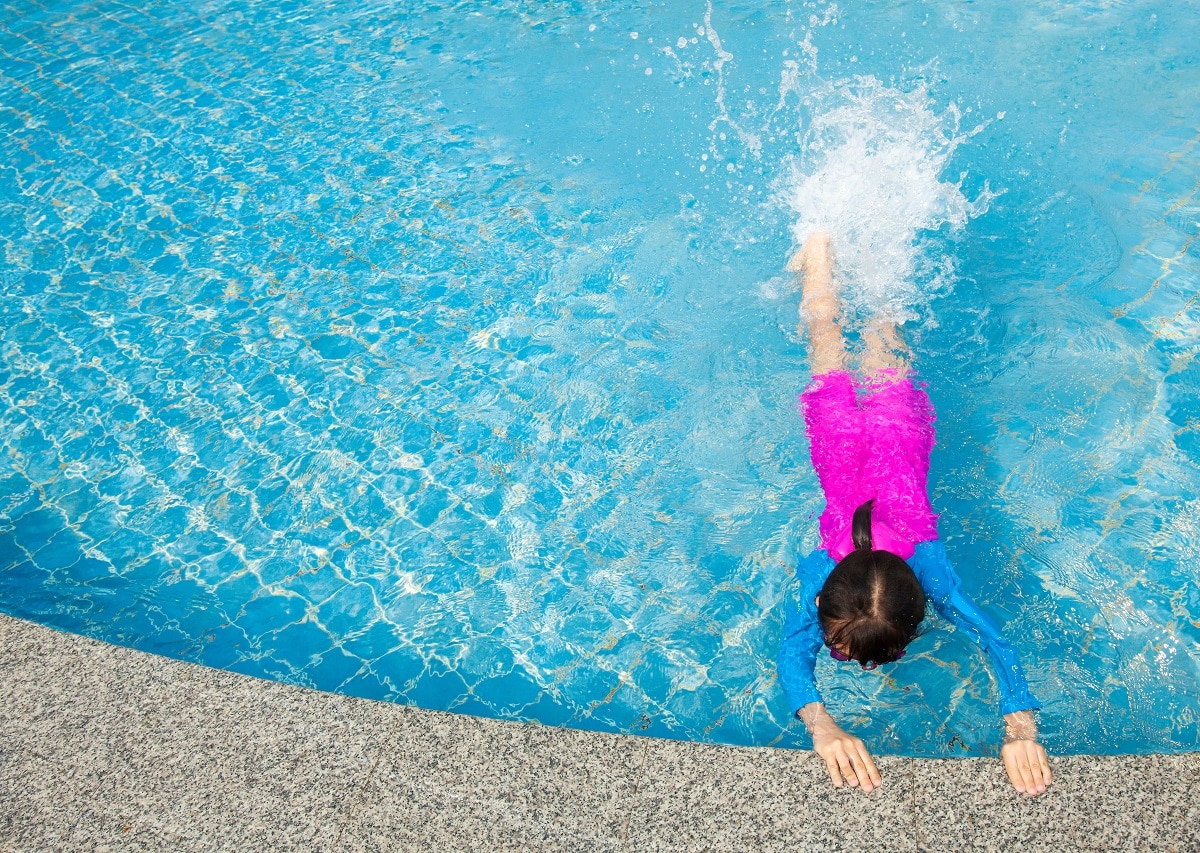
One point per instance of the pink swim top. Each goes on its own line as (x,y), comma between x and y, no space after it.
(883,538)
(871,439)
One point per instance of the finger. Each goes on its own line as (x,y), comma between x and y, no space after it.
(861,778)
(832,766)
(1026,773)
(872,771)
(863,768)
(1040,769)
(1047,777)
(1035,770)
(1014,773)
(846,765)
(1020,771)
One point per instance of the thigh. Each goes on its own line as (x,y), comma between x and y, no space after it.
(835,427)
(899,418)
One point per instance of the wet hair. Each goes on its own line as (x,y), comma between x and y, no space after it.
(872,603)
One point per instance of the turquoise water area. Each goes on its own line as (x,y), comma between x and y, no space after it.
(444,355)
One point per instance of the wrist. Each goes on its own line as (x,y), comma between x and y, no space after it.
(815,718)
(1019,725)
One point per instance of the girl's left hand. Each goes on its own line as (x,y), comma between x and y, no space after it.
(1025,758)
(1028,770)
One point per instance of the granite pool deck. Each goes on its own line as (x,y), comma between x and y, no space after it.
(104,748)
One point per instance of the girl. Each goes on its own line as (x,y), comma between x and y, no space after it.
(862,592)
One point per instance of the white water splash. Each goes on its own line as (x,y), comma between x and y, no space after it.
(870,174)
(868,170)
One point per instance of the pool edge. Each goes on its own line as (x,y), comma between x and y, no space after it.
(108,746)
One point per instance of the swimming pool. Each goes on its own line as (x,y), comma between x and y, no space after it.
(443,355)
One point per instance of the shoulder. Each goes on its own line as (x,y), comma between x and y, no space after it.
(811,573)
(933,569)
(800,607)
(814,569)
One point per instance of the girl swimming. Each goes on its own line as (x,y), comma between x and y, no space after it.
(862,593)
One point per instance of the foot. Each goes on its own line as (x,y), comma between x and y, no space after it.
(815,249)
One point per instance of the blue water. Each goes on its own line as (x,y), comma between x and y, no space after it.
(445,355)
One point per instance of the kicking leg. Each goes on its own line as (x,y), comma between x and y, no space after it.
(884,349)
(819,307)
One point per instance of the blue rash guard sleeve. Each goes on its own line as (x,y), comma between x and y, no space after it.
(802,632)
(943,586)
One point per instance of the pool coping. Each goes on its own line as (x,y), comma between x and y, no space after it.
(103,747)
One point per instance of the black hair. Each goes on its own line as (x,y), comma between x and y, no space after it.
(872,603)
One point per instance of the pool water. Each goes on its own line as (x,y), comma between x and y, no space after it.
(445,355)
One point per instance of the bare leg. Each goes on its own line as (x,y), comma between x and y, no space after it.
(819,306)
(884,350)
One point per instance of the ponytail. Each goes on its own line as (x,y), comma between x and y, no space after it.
(861,527)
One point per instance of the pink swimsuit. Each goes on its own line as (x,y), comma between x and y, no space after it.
(871,438)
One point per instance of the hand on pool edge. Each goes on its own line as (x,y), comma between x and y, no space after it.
(1024,758)
(845,756)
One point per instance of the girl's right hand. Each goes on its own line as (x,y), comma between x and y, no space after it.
(845,756)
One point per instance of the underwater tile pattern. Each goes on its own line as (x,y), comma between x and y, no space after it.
(268,410)
(316,370)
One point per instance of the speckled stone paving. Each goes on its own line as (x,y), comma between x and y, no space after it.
(103,748)
(441,353)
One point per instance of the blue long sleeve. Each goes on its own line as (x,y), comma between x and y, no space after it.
(944,588)
(802,637)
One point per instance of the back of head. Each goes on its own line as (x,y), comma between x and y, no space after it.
(872,603)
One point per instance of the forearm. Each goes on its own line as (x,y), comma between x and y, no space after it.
(943,587)
(798,656)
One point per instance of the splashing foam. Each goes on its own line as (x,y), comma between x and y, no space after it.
(869,175)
